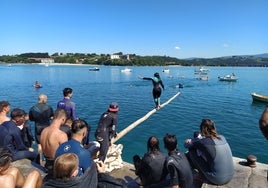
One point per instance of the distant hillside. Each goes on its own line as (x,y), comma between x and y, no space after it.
(259,60)
(265,55)
(262,55)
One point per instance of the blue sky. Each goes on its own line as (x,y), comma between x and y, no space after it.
(175,28)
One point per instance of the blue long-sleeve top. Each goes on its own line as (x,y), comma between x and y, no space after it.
(68,106)
(14,141)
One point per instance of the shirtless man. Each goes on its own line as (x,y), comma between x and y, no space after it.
(52,137)
(11,177)
(4,110)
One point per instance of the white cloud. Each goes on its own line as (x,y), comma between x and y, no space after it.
(177,48)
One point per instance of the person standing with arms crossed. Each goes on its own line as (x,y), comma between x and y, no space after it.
(106,128)
(41,114)
(157,82)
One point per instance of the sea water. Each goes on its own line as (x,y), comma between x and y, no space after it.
(228,104)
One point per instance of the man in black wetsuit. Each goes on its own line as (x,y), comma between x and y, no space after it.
(157,82)
(106,128)
(177,164)
(41,114)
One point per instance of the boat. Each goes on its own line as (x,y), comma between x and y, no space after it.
(203,77)
(259,97)
(94,69)
(166,70)
(228,78)
(126,70)
(201,70)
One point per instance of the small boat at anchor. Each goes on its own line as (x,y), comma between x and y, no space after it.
(94,69)
(166,70)
(201,70)
(126,70)
(259,97)
(228,78)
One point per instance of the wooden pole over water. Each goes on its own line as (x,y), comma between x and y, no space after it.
(139,121)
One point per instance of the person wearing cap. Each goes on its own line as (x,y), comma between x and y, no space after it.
(13,140)
(67,104)
(11,177)
(106,128)
(157,82)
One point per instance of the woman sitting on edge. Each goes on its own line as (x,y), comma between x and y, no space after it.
(211,154)
(151,168)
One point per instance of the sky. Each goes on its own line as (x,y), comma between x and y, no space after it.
(174,28)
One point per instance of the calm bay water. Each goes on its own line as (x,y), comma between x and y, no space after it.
(228,104)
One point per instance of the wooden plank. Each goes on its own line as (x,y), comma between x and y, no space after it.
(139,121)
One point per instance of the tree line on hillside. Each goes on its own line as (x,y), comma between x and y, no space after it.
(135,60)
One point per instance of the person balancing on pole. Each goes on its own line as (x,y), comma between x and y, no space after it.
(156,80)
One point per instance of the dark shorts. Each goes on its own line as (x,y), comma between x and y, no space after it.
(49,166)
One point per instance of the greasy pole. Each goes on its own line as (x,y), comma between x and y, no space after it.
(139,121)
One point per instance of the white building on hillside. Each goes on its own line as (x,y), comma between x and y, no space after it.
(115,56)
(47,60)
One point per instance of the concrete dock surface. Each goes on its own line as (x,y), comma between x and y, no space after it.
(244,177)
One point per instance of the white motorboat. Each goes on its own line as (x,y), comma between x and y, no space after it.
(126,70)
(229,78)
